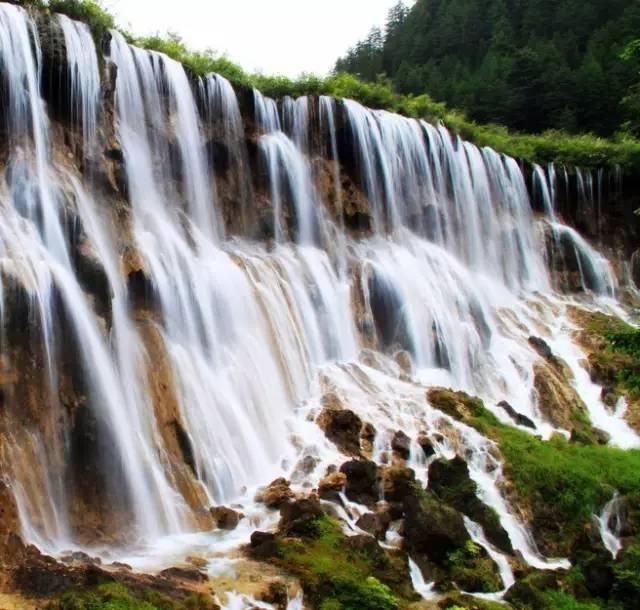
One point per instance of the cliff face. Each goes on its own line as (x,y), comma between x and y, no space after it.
(192,275)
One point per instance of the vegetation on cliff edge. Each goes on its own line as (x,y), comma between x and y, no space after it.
(553,146)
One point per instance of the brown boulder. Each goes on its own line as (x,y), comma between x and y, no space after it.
(226,518)
(275,494)
(401,445)
(332,485)
(342,427)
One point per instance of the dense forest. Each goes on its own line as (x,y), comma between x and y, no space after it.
(528,64)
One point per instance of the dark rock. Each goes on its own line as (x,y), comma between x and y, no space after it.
(298,518)
(397,483)
(401,444)
(427,446)
(542,347)
(362,481)
(432,528)
(276,594)
(375,524)
(342,427)
(518,418)
(449,480)
(263,544)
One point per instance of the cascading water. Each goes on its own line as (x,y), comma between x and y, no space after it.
(206,354)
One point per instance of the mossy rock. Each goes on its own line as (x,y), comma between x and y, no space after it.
(459,405)
(115,596)
(450,481)
(342,572)
(471,569)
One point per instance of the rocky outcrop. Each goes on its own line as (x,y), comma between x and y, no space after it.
(276,494)
(449,480)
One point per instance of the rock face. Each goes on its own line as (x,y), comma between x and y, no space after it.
(558,401)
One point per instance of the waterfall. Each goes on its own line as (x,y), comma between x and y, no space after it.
(610,525)
(84,80)
(239,260)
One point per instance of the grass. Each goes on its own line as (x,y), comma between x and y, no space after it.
(587,151)
(568,481)
(335,575)
(614,348)
(115,596)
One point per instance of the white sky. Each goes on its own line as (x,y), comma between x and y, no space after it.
(272,36)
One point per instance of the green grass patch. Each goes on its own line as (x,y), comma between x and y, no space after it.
(337,576)
(115,596)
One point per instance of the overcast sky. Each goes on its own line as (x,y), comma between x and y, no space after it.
(272,36)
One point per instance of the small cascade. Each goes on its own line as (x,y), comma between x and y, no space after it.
(504,567)
(222,114)
(266,112)
(423,589)
(594,270)
(291,183)
(84,78)
(610,524)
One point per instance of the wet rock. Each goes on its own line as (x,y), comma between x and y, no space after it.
(375,524)
(332,485)
(263,544)
(401,444)
(367,438)
(298,518)
(275,494)
(276,594)
(226,518)
(425,443)
(609,397)
(403,360)
(518,418)
(81,558)
(541,346)
(529,592)
(450,481)
(362,481)
(558,400)
(342,427)
(432,529)
(458,405)
(190,574)
(545,352)
(397,483)
(635,268)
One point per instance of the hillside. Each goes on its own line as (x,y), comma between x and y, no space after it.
(532,66)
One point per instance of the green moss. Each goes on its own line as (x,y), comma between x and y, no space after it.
(558,600)
(473,570)
(614,348)
(627,573)
(115,596)
(564,481)
(337,575)
(90,12)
